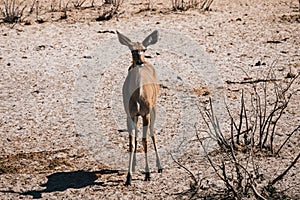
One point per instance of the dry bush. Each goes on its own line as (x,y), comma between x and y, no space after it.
(257,122)
(206,5)
(13,11)
(64,9)
(78,3)
(61,5)
(113,2)
(111,11)
(185,5)
(252,133)
(251,139)
(243,175)
(150,5)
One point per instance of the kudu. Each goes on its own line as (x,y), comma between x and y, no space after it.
(140,92)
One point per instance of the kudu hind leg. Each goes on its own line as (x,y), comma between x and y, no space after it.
(131,126)
(153,136)
(135,144)
(146,122)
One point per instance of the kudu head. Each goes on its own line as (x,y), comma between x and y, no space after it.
(138,49)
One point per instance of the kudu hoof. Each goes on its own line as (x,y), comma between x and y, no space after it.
(127,183)
(147,177)
(160,170)
(128,180)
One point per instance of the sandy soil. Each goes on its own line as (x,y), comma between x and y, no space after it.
(62,123)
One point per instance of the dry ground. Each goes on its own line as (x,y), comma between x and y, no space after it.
(53,76)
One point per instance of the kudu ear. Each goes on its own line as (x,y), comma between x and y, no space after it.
(124,40)
(151,39)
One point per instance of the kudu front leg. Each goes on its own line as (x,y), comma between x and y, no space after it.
(135,144)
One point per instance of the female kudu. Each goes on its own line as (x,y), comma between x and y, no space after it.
(140,92)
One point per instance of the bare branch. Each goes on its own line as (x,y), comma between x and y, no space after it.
(252,81)
(257,193)
(223,177)
(186,169)
(290,135)
(278,178)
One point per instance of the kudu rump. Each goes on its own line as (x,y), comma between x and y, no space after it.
(140,92)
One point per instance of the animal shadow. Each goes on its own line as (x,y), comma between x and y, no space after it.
(62,181)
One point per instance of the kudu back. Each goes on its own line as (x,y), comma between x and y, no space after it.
(140,91)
